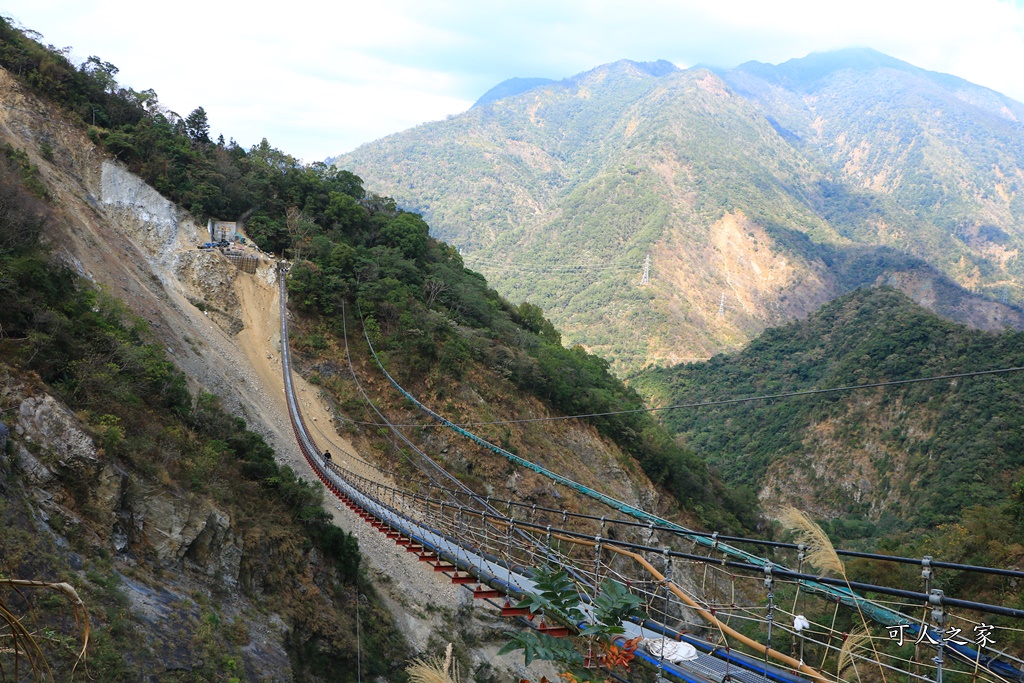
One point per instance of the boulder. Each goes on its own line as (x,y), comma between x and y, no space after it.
(185,530)
(61,444)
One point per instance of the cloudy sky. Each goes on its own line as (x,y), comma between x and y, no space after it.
(319,78)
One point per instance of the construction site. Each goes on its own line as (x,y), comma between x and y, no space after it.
(229,239)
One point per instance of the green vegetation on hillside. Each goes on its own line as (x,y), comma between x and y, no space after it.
(421,304)
(431,315)
(63,337)
(933,448)
(933,468)
(940,155)
(558,193)
(359,248)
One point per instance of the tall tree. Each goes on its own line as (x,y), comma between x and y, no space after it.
(197,125)
(104,72)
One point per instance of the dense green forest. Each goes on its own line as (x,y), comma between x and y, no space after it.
(932,468)
(934,449)
(563,212)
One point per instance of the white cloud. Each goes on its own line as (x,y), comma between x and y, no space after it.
(318,78)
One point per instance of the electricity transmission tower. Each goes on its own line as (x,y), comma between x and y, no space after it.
(721,306)
(646,278)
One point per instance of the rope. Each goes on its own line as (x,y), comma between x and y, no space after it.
(847,596)
(505,542)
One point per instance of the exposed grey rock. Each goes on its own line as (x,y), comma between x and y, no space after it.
(109,487)
(119,538)
(153,222)
(43,421)
(186,529)
(35,471)
(265,658)
(75,562)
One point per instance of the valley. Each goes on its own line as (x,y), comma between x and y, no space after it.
(152,463)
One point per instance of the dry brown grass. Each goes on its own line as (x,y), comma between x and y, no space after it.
(854,641)
(23,643)
(820,553)
(435,669)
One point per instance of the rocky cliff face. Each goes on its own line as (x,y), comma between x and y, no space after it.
(178,582)
(74,501)
(143,215)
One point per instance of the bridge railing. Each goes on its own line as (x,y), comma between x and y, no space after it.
(732,604)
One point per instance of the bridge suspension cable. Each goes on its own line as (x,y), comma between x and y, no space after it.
(500,552)
(564,514)
(465,521)
(842,591)
(712,403)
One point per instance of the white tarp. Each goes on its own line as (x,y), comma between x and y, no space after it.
(674,651)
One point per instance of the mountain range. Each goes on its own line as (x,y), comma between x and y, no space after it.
(150,462)
(758,193)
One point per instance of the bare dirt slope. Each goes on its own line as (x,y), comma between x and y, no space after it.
(219,324)
(221,328)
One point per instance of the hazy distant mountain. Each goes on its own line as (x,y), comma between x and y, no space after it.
(510,87)
(759,193)
(946,152)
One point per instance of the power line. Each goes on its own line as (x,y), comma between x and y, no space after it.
(728,401)
(474,261)
(748,399)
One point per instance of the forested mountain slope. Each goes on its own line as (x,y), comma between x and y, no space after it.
(944,157)
(199,552)
(759,194)
(876,461)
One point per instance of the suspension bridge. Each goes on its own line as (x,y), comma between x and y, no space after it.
(743,617)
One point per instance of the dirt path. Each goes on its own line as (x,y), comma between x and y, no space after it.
(220,326)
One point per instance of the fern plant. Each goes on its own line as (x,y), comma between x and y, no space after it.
(557,599)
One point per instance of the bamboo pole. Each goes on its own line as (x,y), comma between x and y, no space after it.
(710,618)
